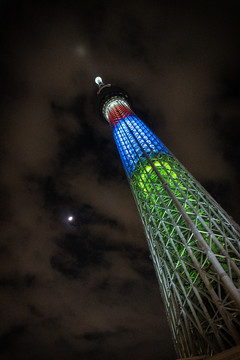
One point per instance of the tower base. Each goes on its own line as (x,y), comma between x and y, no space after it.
(230,354)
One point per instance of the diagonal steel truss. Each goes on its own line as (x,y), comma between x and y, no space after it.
(194,244)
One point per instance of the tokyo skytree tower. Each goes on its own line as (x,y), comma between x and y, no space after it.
(194,244)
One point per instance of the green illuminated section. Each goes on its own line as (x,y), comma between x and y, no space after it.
(158,212)
(165,170)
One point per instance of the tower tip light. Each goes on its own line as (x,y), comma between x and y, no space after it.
(98,81)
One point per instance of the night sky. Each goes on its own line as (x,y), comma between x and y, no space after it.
(87,290)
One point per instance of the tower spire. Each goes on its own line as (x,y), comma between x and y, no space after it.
(98,81)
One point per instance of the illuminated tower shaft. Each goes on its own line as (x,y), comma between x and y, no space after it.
(194,244)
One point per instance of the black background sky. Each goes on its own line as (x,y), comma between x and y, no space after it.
(88,290)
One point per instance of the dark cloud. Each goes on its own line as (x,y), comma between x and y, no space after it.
(83,249)
(28,280)
(8,340)
(87,290)
(100,336)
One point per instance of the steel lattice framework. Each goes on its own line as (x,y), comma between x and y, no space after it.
(194,244)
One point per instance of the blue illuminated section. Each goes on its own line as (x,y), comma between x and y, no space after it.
(127,133)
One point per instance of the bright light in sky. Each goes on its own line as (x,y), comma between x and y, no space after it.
(98,81)
(70,218)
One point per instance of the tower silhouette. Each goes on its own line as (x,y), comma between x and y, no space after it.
(194,244)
